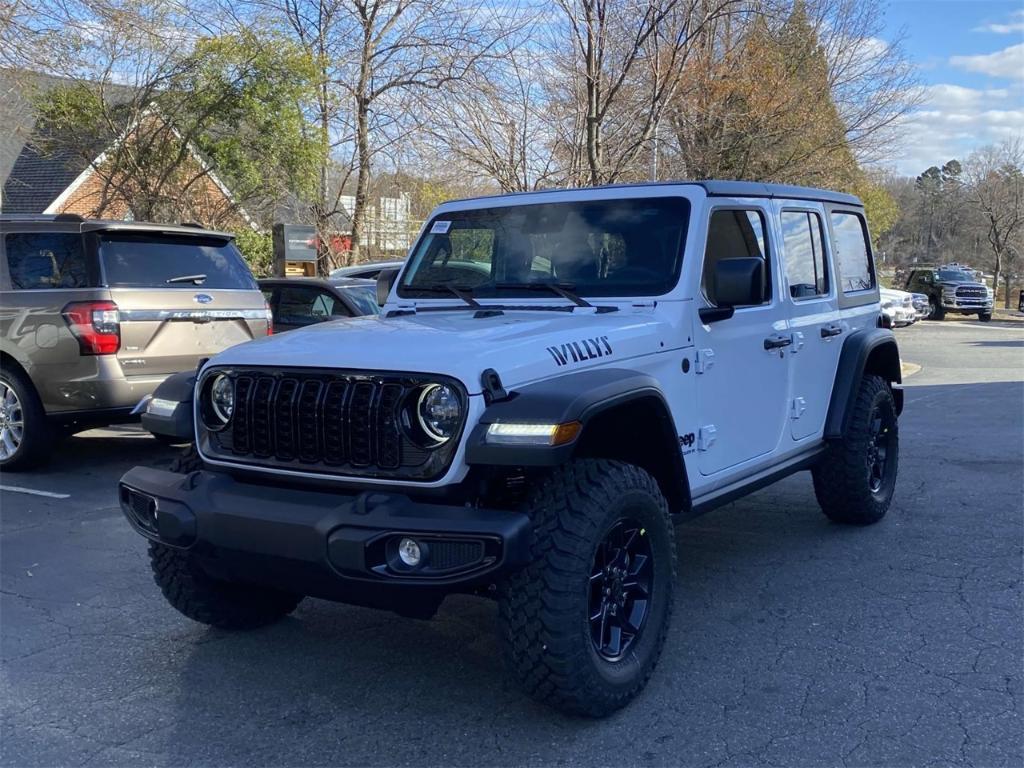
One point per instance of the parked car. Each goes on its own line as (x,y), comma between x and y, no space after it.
(897,308)
(95,314)
(300,301)
(921,307)
(630,357)
(952,289)
(368,270)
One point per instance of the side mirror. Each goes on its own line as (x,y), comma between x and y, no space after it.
(385,281)
(738,282)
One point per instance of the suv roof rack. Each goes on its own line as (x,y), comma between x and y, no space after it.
(192,224)
(68,217)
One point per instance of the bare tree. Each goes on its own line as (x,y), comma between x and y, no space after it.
(495,123)
(626,60)
(402,46)
(996,185)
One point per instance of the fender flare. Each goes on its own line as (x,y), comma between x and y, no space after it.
(868,350)
(579,396)
(176,388)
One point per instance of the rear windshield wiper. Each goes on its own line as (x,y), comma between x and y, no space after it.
(197,279)
(561,289)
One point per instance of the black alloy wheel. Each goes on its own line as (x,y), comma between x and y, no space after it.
(879,439)
(620,589)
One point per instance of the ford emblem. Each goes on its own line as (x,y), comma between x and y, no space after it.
(202,298)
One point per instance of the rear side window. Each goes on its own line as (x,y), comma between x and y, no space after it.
(142,261)
(806,271)
(850,244)
(734,234)
(46,260)
(301,305)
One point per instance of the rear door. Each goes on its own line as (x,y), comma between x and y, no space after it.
(810,295)
(181,297)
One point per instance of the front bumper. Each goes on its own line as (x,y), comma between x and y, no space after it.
(323,544)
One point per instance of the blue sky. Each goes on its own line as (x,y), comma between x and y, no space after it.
(969,56)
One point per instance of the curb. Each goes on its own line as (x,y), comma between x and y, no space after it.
(909,369)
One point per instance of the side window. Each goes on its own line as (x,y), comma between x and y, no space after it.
(802,243)
(850,245)
(39,260)
(734,234)
(295,306)
(323,306)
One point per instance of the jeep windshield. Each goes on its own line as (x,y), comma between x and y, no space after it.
(623,247)
(142,260)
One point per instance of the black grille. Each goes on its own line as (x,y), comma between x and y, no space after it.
(446,554)
(347,424)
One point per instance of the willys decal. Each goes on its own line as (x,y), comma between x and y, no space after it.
(578,351)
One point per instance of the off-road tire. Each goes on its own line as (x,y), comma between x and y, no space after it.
(543,609)
(37,433)
(937,312)
(842,478)
(985,317)
(209,601)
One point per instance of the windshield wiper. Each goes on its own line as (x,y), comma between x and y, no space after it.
(197,279)
(561,289)
(462,293)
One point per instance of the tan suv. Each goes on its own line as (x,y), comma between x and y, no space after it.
(95,314)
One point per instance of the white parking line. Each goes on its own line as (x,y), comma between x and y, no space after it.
(34,492)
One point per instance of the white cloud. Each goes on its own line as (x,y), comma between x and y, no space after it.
(1015,24)
(952,121)
(1008,63)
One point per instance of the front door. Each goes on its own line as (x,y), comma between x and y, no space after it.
(742,364)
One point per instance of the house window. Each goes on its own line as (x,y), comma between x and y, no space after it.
(46,260)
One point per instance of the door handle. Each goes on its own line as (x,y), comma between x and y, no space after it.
(777,342)
(831,330)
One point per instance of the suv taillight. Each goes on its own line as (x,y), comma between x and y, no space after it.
(96,325)
(270,319)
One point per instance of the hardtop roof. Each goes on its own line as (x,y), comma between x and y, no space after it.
(712,188)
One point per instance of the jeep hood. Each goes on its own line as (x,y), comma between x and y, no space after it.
(522,346)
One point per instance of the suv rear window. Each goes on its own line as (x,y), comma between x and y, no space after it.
(132,260)
(46,260)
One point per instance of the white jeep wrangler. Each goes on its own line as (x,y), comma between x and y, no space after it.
(554,380)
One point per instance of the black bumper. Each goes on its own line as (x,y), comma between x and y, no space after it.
(324,544)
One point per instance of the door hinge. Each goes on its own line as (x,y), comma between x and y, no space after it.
(706,437)
(705,358)
(798,342)
(797,407)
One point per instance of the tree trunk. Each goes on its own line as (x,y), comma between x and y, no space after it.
(995,275)
(362,179)
(593,104)
(1006,296)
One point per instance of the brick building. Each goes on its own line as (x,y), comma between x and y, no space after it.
(46,175)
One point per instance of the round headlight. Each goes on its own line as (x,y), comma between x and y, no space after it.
(439,411)
(222,397)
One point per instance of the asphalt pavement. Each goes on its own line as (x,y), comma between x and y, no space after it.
(795,642)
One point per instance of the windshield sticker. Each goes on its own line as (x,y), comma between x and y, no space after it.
(578,351)
(440,228)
